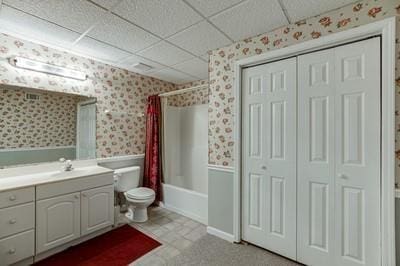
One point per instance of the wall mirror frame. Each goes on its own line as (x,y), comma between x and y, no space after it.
(38,126)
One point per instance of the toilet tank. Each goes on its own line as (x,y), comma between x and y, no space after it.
(126,178)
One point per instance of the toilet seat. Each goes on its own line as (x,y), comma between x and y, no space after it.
(141,193)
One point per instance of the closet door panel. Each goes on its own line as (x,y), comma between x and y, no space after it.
(269,163)
(254,159)
(358,146)
(315,185)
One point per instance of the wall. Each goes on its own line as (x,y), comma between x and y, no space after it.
(114,88)
(221,98)
(190,98)
(47,122)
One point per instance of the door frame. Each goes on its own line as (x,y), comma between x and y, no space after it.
(386,30)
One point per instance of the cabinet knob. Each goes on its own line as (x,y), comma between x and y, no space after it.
(76,197)
(12,198)
(13,221)
(84,195)
(342,176)
(264,167)
(11,251)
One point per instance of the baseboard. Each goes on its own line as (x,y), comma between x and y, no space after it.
(187,214)
(221,234)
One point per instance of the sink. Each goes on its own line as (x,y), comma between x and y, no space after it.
(74,172)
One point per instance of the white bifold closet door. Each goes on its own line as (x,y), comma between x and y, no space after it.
(311,156)
(339,155)
(269,156)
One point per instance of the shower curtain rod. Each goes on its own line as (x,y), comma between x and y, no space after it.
(182,90)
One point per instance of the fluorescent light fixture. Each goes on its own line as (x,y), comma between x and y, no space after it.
(29,64)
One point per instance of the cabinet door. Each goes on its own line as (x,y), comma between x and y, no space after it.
(97,209)
(57,221)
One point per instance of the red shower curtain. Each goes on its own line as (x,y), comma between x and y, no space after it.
(152,162)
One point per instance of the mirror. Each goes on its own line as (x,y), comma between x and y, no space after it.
(42,126)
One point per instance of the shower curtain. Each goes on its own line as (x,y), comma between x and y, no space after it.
(152,176)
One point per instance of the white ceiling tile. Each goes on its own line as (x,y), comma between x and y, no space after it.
(20,23)
(162,17)
(107,3)
(301,9)
(210,7)
(200,38)
(172,75)
(129,62)
(165,53)
(250,18)
(194,67)
(99,50)
(122,34)
(77,15)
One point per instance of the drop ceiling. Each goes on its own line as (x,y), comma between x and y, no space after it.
(171,36)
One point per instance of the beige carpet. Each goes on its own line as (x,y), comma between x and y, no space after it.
(211,251)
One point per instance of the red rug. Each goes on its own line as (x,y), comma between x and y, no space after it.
(118,247)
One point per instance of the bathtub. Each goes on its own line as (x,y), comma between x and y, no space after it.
(186,202)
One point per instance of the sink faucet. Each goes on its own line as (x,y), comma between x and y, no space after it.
(67,165)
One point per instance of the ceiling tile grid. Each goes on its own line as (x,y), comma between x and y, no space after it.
(77,15)
(162,17)
(194,67)
(13,21)
(301,9)
(171,75)
(250,18)
(122,34)
(171,36)
(199,38)
(165,53)
(211,7)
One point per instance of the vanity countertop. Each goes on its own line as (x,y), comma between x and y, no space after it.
(38,178)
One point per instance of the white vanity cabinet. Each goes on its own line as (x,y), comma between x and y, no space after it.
(58,221)
(97,209)
(43,213)
(68,210)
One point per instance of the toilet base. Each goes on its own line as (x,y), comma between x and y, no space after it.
(137,215)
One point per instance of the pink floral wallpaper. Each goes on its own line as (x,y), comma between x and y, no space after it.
(190,98)
(221,100)
(115,89)
(47,122)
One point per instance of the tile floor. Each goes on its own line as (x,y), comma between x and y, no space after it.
(178,233)
(175,232)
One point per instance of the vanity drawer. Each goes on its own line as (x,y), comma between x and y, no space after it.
(17,219)
(17,247)
(18,196)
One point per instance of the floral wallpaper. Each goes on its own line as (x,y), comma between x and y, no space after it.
(221,99)
(47,122)
(121,91)
(190,98)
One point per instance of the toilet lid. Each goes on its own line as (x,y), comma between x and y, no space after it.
(140,193)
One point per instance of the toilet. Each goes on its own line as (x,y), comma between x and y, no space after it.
(126,180)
